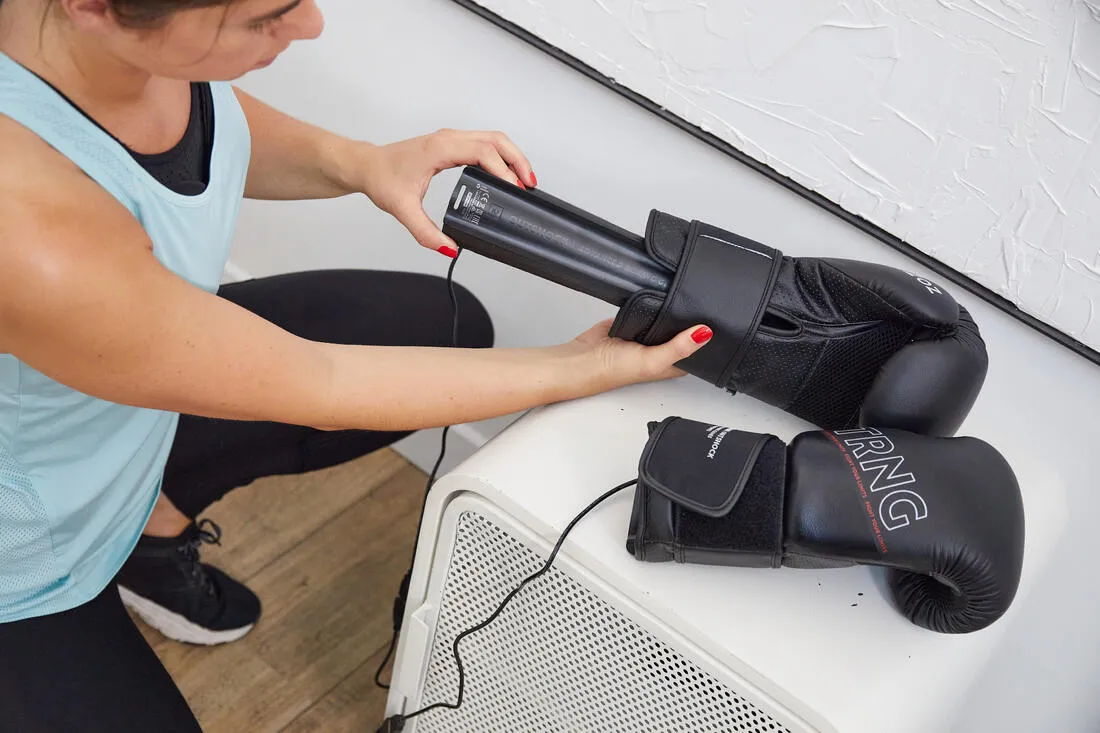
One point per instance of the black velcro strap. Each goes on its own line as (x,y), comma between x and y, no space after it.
(724,281)
(709,495)
(701,467)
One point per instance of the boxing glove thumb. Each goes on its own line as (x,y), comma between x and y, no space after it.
(930,384)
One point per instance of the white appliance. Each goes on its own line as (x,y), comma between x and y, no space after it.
(603,642)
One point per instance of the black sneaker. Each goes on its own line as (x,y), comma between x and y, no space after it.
(164,582)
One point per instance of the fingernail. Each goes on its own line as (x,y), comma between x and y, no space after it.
(534,181)
(701,334)
(449,251)
(521,184)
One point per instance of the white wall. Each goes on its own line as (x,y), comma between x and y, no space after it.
(388,70)
(967,128)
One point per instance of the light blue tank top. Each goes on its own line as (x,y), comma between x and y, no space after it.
(79,475)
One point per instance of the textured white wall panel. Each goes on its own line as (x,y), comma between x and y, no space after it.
(967,128)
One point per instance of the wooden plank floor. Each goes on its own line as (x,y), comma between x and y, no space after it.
(325,552)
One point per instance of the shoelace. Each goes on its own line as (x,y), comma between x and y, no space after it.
(207,533)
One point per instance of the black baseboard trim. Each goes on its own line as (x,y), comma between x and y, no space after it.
(948,273)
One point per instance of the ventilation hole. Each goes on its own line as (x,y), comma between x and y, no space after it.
(559,658)
(777,325)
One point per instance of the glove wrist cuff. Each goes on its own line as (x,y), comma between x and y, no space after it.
(708,494)
(720,279)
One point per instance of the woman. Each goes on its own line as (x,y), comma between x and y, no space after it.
(134,391)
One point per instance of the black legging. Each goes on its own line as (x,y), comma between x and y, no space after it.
(212,457)
(89,669)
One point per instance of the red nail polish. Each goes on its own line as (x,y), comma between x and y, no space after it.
(521,184)
(701,334)
(449,251)
(534,181)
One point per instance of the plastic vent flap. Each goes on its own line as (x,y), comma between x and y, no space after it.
(559,658)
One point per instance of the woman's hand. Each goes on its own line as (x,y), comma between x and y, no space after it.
(622,362)
(396,176)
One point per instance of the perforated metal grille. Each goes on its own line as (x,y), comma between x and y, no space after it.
(559,658)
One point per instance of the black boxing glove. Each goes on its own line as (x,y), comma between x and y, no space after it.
(943,515)
(839,343)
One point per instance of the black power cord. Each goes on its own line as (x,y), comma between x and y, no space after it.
(396,723)
(403,591)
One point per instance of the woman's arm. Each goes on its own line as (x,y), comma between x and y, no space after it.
(84,300)
(292,159)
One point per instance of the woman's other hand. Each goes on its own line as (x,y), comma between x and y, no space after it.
(396,176)
(621,362)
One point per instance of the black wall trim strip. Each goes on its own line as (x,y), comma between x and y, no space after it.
(857,221)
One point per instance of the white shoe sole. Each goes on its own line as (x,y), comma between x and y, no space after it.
(175,626)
